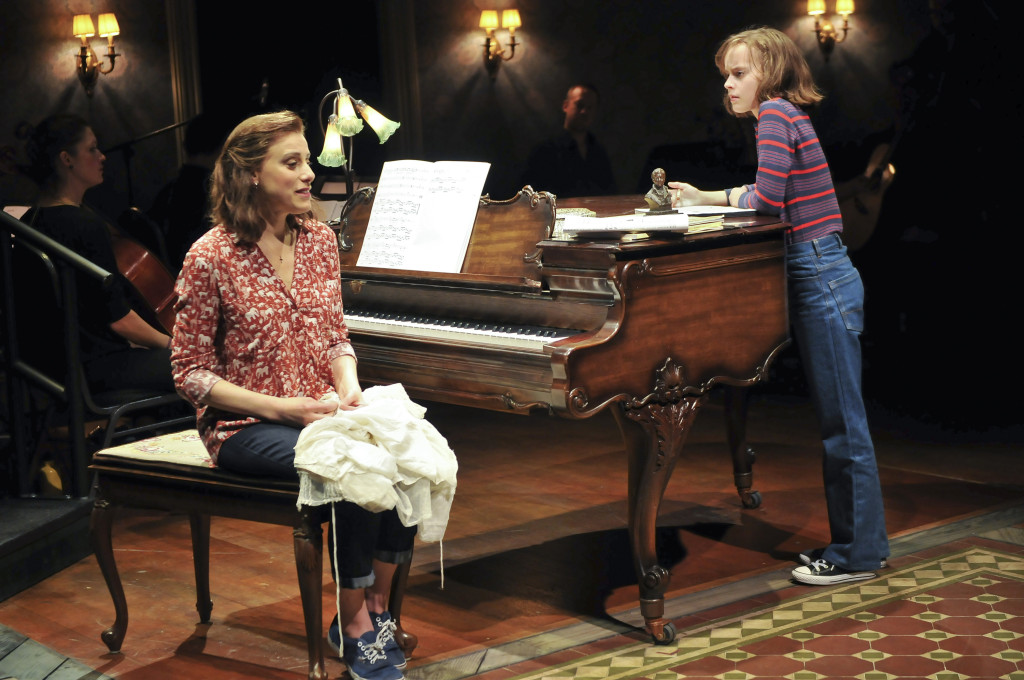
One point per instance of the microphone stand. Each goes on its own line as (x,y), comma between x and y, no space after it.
(127,150)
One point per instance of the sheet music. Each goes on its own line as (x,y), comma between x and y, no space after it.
(423,215)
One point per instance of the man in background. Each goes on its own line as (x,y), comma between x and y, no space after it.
(573,163)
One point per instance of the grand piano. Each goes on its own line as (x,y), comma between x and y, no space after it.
(570,328)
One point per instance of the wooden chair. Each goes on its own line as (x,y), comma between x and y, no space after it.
(174,473)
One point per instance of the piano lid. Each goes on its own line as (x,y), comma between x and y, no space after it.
(502,251)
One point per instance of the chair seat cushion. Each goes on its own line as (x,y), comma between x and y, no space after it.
(181,448)
(183,456)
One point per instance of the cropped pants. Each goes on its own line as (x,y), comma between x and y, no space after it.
(268,449)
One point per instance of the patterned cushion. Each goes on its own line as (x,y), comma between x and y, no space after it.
(182,448)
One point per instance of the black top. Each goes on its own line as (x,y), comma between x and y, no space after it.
(556,166)
(86,233)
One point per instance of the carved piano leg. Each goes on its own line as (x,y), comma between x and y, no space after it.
(309,556)
(201,562)
(654,434)
(407,641)
(100,523)
(737,399)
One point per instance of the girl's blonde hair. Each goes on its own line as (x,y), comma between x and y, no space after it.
(784,71)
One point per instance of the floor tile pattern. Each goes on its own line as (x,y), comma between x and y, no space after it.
(953,617)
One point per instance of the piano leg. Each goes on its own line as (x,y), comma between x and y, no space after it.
(737,399)
(654,434)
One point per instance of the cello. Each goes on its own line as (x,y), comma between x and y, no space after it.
(150,277)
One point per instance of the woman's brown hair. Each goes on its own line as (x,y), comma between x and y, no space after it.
(60,132)
(235,200)
(783,70)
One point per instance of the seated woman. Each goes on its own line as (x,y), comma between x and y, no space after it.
(120,350)
(259,341)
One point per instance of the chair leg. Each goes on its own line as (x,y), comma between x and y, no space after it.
(309,563)
(201,561)
(407,641)
(100,523)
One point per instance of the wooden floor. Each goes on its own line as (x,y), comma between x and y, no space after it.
(536,548)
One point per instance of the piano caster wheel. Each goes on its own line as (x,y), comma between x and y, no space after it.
(668,634)
(750,499)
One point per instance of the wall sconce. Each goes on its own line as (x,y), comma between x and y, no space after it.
(494,54)
(827,34)
(89,67)
(343,122)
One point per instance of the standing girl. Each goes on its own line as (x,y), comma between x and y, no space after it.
(767,77)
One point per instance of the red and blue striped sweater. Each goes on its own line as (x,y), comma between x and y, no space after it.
(793,179)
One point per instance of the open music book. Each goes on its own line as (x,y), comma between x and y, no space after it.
(423,215)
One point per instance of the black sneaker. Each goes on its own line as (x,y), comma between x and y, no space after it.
(813,555)
(822,573)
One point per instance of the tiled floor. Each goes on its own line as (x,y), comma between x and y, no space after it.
(957,614)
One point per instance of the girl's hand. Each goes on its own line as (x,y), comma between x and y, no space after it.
(684,194)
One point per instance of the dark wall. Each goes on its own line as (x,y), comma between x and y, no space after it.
(653,64)
(311,50)
(38,78)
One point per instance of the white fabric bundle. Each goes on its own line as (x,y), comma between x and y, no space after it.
(380,456)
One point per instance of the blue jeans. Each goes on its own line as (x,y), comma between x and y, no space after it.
(826,303)
(268,449)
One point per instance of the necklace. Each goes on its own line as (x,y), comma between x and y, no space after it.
(288,242)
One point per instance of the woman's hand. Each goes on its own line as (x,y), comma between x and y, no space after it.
(351,397)
(137,331)
(302,411)
(346,383)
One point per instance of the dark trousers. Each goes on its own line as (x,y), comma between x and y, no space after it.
(268,450)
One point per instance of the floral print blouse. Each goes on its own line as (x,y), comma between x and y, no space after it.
(236,321)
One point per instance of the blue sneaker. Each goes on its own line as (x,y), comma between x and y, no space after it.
(366,658)
(385,628)
(334,636)
(385,641)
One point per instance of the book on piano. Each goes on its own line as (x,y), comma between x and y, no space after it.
(631,226)
(423,215)
(723,210)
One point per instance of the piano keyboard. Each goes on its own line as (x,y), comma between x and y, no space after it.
(497,334)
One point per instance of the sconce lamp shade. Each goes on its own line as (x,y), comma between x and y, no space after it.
(108,25)
(510,20)
(815,7)
(82,27)
(489,19)
(844,7)
(381,125)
